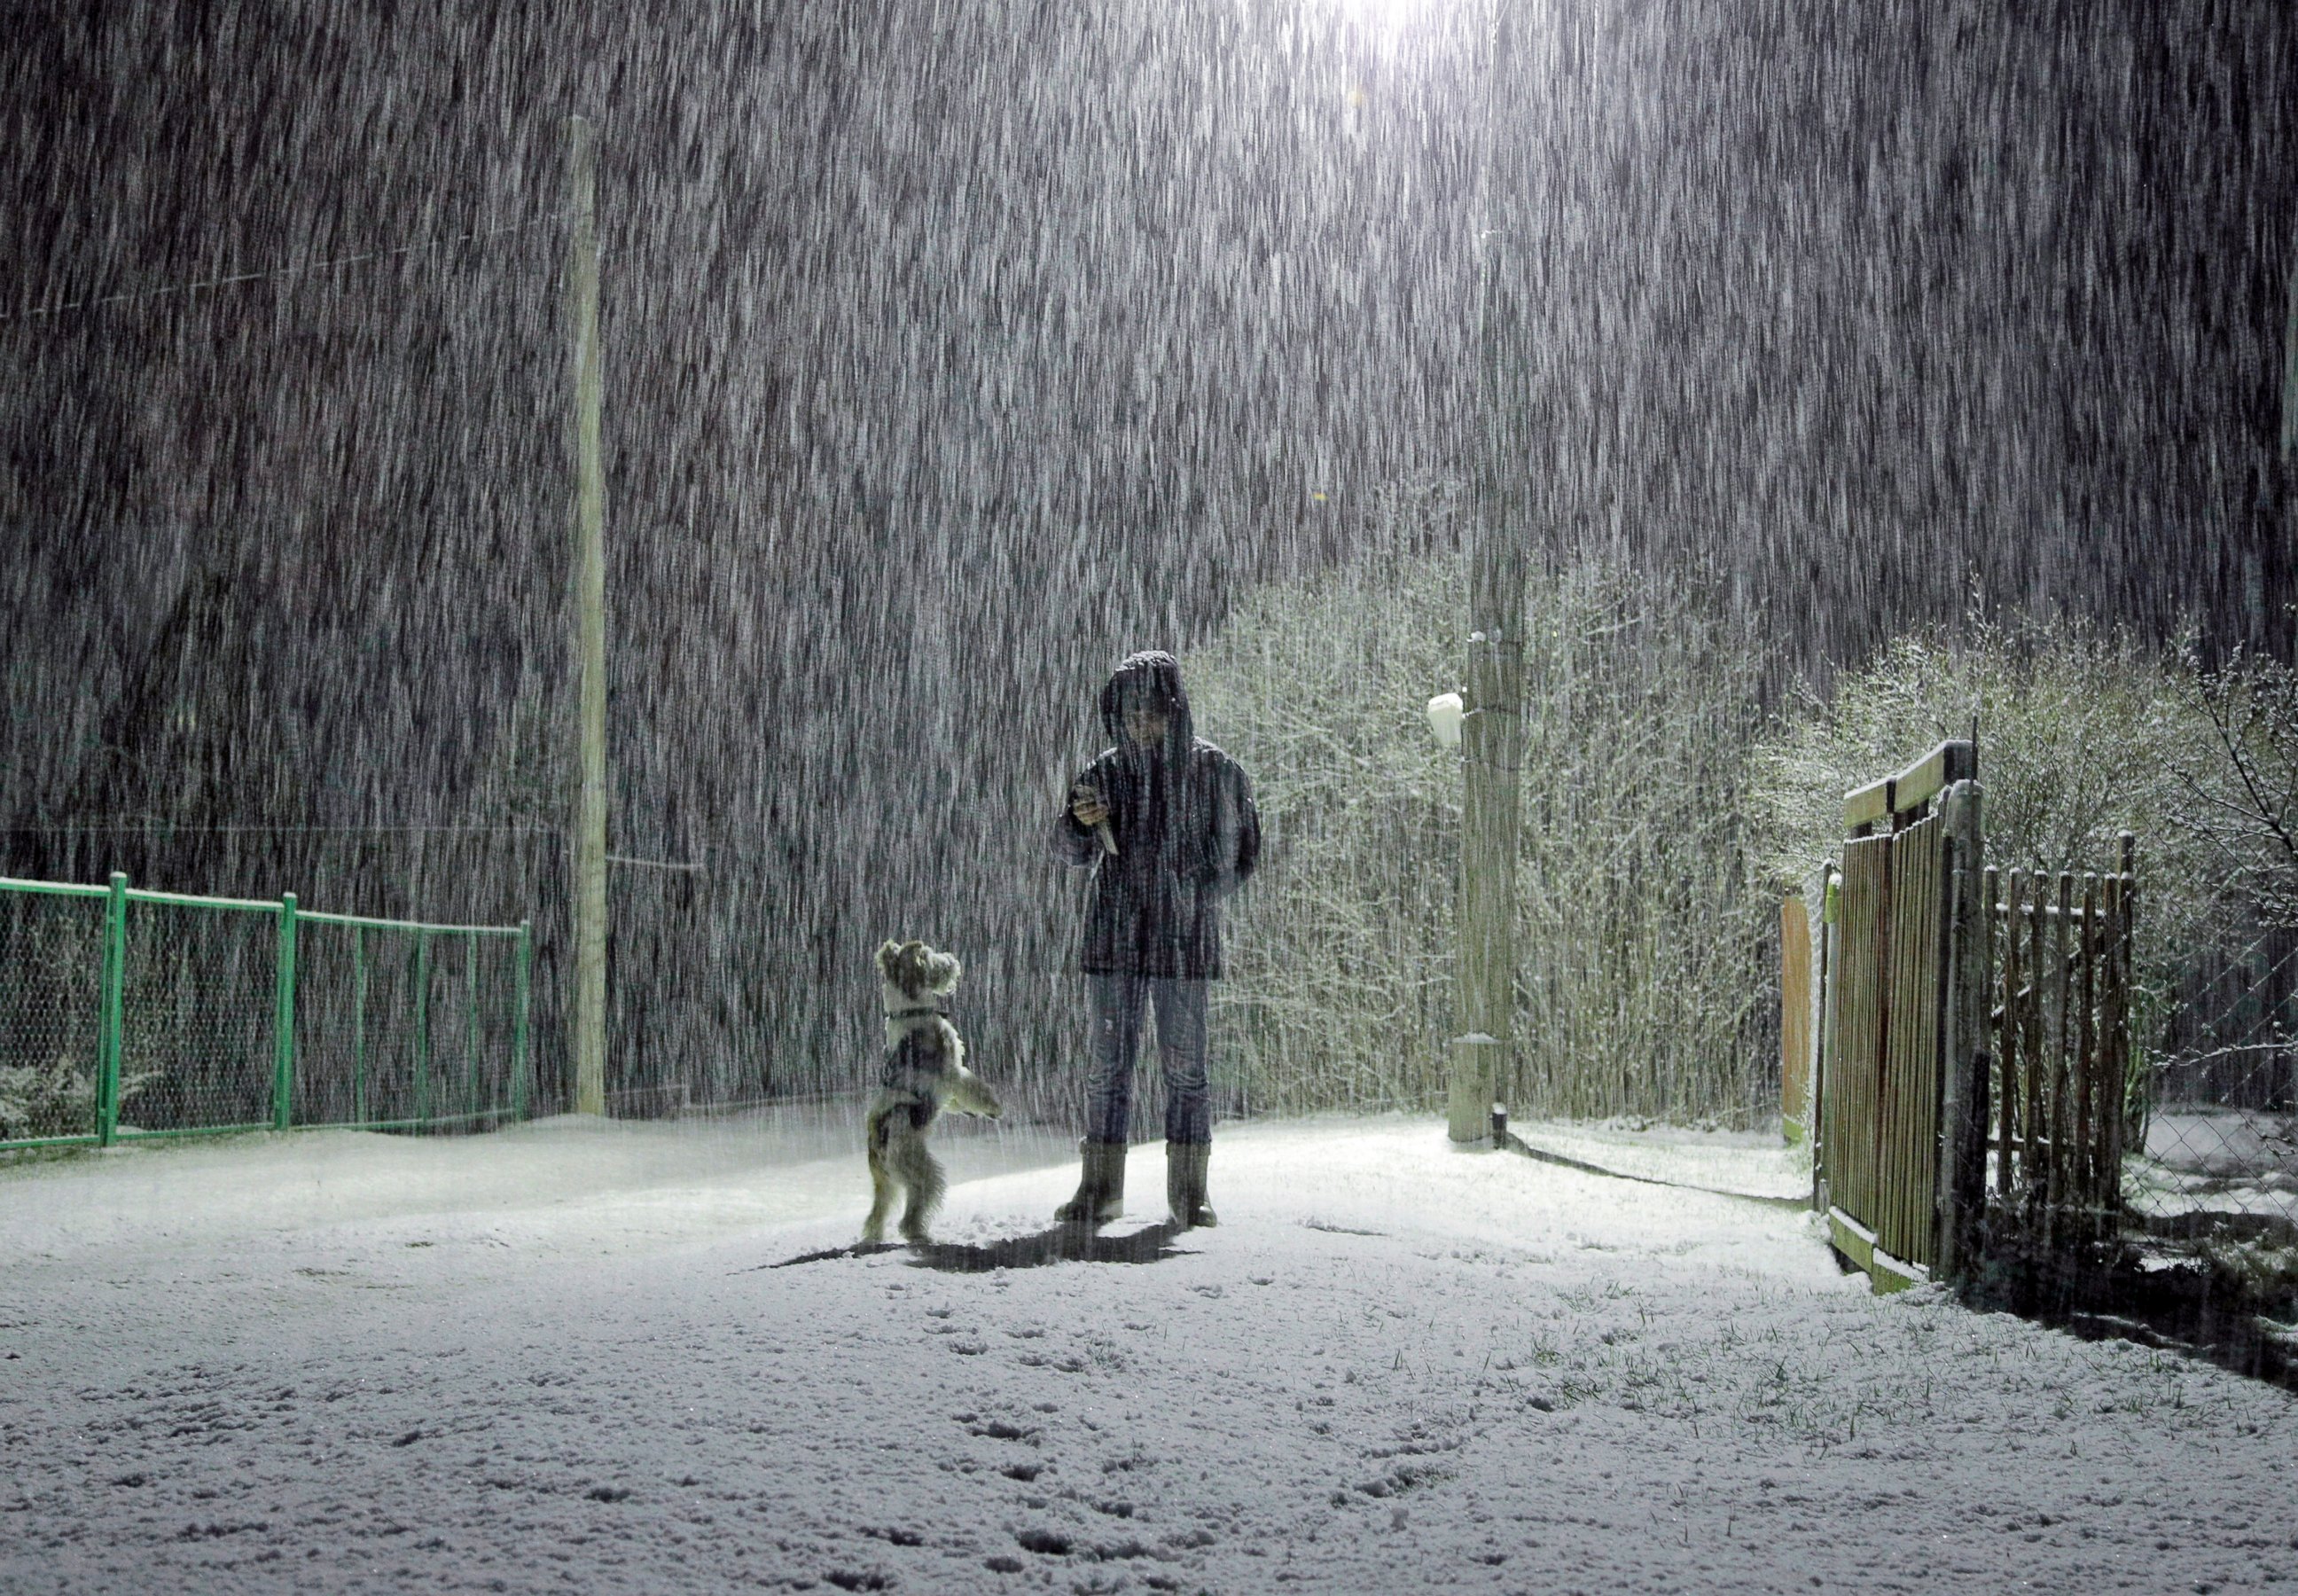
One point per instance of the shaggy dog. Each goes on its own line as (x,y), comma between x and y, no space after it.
(924,1073)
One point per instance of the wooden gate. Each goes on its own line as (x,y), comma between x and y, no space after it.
(1887,1090)
(1950,987)
(2061,1010)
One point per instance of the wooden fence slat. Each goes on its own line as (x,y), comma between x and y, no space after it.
(2054,1180)
(1872,1152)
(1906,1175)
(1854,1076)
(1918,1001)
(2105,1156)
(1888,1126)
(1920,1088)
(2119,1074)
(1926,1077)
(1891,1121)
(2014,1020)
(2036,1160)
(1852,1054)
(1858,1056)
(1999,1035)
(1887,1080)
(2086,1170)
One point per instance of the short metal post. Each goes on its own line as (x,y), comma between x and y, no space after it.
(422,1025)
(518,1071)
(282,1027)
(358,1025)
(471,1023)
(114,1002)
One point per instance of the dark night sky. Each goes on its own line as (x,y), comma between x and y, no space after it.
(953,350)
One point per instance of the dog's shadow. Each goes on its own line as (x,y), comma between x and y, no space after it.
(1060,1243)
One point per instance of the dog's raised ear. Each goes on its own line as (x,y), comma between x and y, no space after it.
(888,952)
(942,972)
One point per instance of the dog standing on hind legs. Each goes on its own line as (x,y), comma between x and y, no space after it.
(924,1073)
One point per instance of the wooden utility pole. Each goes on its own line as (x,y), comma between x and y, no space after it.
(587,860)
(1491,733)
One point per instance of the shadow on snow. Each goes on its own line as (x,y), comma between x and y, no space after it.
(1058,1243)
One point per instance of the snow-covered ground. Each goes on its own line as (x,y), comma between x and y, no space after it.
(556,1359)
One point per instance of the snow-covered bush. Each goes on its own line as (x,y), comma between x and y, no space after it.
(2081,737)
(2261,1269)
(1644,973)
(57,1098)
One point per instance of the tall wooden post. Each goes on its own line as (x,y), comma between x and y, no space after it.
(1491,733)
(1967,1051)
(588,853)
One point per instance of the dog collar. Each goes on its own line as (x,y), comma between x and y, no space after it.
(908,1013)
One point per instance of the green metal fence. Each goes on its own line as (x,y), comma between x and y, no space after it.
(127,1014)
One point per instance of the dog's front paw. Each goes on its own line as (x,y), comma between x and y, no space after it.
(872,1235)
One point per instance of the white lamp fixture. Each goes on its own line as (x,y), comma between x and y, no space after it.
(1444,712)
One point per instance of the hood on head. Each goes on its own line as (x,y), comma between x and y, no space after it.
(1158,674)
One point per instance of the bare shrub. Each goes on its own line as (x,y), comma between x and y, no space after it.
(2239,787)
(2230,1039)
(1643,978)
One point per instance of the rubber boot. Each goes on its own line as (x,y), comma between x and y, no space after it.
(1101,1192)
(1185,1184)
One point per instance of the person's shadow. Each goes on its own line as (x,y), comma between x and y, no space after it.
(1059,1244)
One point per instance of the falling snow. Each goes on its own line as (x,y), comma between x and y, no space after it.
(953,351)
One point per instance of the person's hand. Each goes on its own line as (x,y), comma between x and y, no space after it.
(1086,807)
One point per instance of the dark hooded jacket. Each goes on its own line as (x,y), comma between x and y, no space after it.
(1187,833)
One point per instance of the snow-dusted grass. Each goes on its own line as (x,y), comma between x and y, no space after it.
(2222,1161)
(553,1360)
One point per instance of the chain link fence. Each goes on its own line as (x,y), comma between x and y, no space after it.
(406,1025)
(128,1013)
(2215,1086)
(52,956)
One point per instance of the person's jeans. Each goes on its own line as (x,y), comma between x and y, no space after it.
(1118,1004)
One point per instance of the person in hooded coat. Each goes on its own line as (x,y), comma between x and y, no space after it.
(1166,822)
